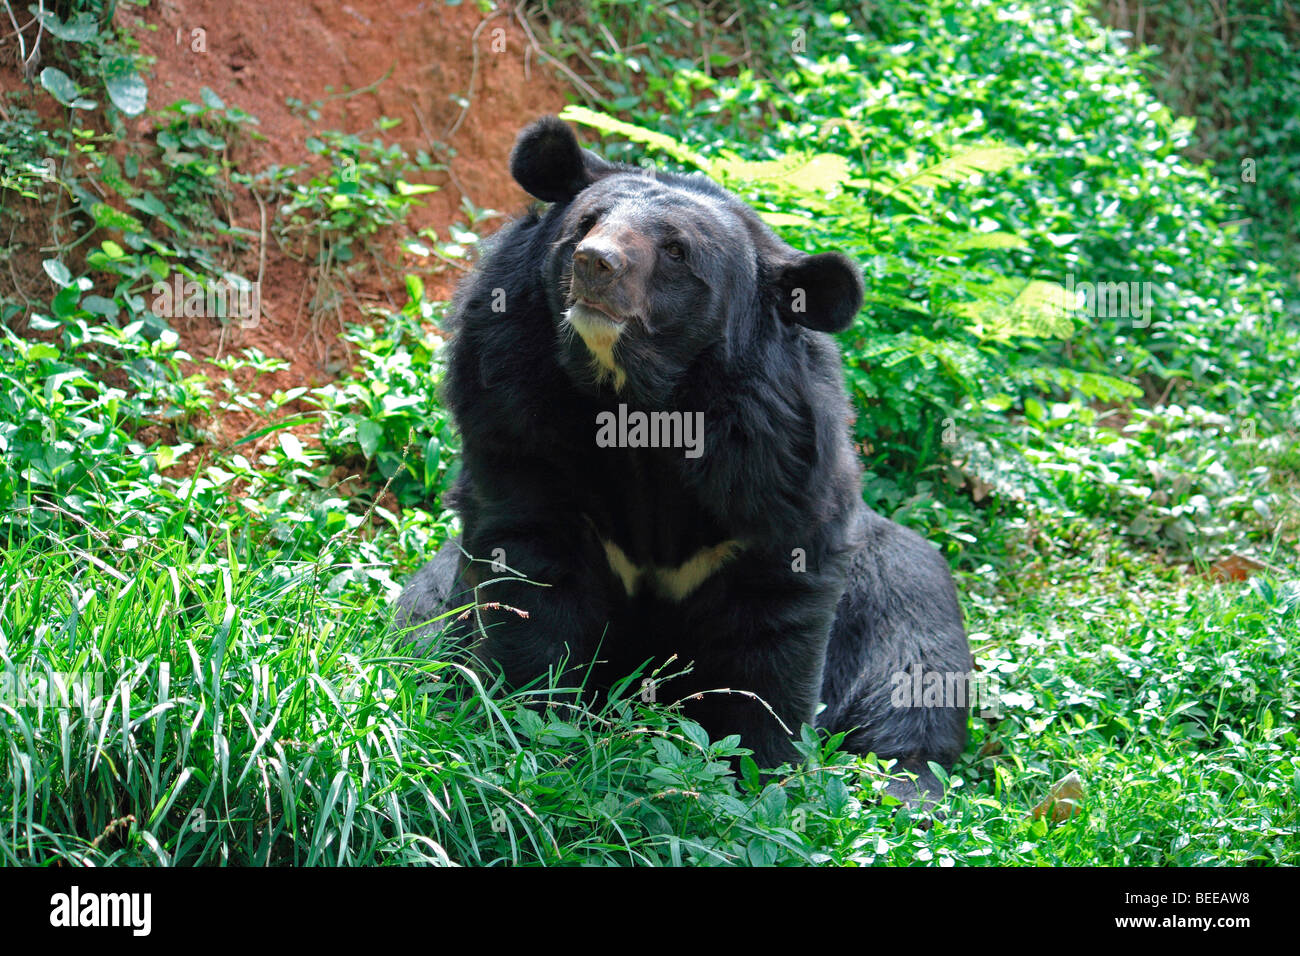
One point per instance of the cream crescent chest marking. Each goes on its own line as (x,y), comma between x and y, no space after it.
(677,583)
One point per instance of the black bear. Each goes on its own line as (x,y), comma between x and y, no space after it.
(655,428)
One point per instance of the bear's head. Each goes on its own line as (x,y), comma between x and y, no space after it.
(649,269)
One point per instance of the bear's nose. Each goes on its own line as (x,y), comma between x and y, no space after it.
(597,261)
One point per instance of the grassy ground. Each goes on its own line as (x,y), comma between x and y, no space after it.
(246,717)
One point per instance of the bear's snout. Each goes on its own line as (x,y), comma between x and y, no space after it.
(597,262)
(609,273)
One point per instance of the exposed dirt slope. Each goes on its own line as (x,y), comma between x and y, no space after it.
(413,59)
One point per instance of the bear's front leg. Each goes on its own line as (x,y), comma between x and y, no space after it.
(758,661)
(765,699)
(542,595)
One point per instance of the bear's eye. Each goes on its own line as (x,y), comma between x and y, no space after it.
(675,250)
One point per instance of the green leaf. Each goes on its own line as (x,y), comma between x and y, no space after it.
(989,240)
(431,451)
(78,29)
(805,172)
(784,219)
(696,734)
(1093,385)
(414,189)
(530,725)
(957,168)
(369,434)
(287,423)
(66,301)
(963,164)
(414,288)
(837,796)
(668,752)
(41,323)
(57,271)
(291,446)
(760,852)
(100,306)
(148,203)
(109,218)
(562,731)
(125,87)
(1030,308)
(59,85)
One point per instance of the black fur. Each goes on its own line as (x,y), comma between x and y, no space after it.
(821,599)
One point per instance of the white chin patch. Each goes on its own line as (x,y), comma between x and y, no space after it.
(599,333)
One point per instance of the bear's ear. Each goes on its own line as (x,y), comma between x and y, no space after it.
(548,162)
(822,292)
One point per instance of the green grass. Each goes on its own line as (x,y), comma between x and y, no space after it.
(237,714)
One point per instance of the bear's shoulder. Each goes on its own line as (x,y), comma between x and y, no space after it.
(502,378)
